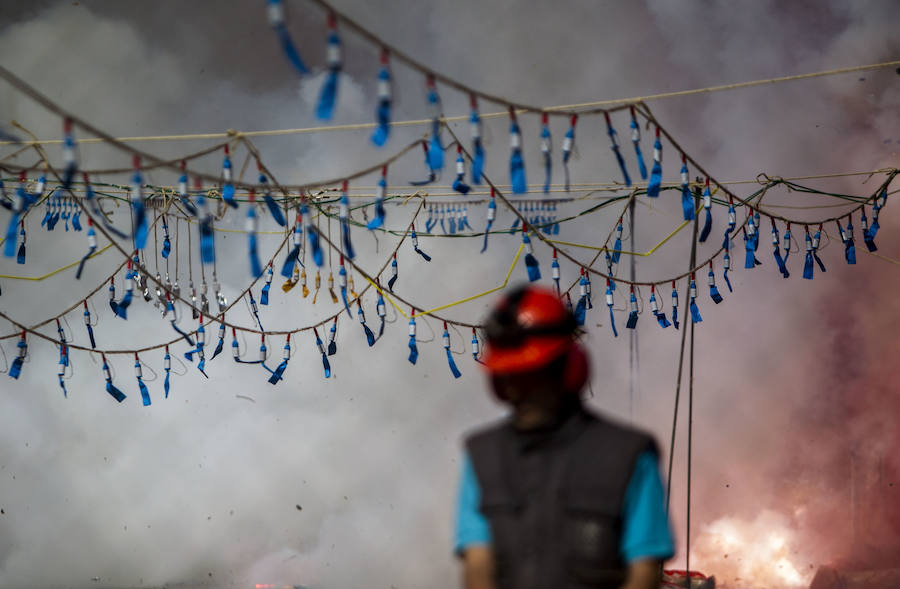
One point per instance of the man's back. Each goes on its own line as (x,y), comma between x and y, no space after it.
(554,499)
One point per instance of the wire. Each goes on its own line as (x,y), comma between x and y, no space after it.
(561,109)
(57,271)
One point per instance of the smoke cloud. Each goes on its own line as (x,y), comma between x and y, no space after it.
(351,482)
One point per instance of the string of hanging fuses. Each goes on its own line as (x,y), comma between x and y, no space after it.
(516,145)
(654,184)
(517,171)
(632,319)
(271,204)
(276,373)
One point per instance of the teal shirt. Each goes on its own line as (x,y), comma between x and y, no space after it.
(645,527)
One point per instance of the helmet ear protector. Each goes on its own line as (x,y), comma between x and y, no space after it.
(577,370)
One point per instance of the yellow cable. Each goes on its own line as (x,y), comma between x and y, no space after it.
(582,105)
(455,303)
(58,270)
(649,252)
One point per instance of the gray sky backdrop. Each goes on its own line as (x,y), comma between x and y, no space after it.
(203,487)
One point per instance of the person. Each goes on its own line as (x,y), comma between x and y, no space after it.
(554,495)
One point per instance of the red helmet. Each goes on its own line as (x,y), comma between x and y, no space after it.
(530,328)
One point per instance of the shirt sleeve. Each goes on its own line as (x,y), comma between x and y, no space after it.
(645,527)
(472,527)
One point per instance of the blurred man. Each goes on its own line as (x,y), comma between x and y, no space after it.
(555,496)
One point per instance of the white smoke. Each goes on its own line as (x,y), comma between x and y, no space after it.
(205,486)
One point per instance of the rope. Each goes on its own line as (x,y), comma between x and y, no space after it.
(353,191)
(560,109)
(687,319)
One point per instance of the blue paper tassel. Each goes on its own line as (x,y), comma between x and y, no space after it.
(253,251)
(459,184)
(277,22)
(656,171)
(516,162)
(661,319)
(313,235)
(687,199)
(345,225)
(815,251)
(546,151)
(220,343)
(749,255)
(90,331)
(415,244)
(632,314)
(207,242)
(454,370)
(435,149)
(782,267)
(617,247)
(328,95)
(228,195)
(581,310)
(278,372)
(636,140)
(9,246)
(274,208)
(378,220)
(140,213)
(808,263)
(264,294)
(383,110)
(332,338)
(849,246)
(287,268)
(713,289)
(116,393)
(674,307)
(20,255)
(695,312)
(614,145)
(394,274)
(707,204)
(491,214)
(531,263)
(612,323)
(16,368)
(707,227)
(145,394)
(343,279)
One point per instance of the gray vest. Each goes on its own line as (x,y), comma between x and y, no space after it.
(554,500)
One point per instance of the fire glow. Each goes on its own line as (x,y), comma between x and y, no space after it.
(751,554)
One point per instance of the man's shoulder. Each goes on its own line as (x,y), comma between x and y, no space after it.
(625,435)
